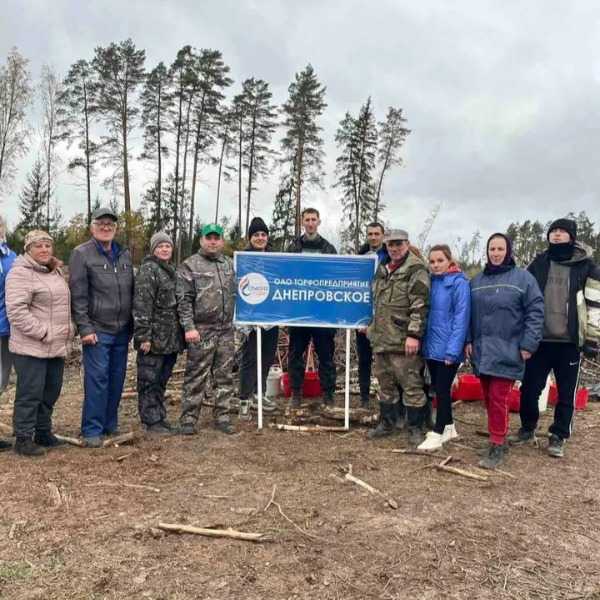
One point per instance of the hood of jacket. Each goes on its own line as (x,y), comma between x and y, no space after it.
(27,262)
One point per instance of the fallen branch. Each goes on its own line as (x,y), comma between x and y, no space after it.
(70,440)
(128,395)
(124,456)
(278,506)
(443,466)
(413,452)
(305,428)
(120,439)
(226,533)
(359,416)
(372,490)
(128,485)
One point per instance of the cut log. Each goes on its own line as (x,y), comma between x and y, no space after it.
(305,428)
(223,533)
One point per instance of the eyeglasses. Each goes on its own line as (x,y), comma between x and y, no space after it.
(105,224)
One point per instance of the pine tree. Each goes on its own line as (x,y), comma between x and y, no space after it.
(259,123)
(357,138)
(302,144)
(119,71)
(225,136)
(212,80)
(392,135)
(284,216)
(15,96)
(157,104)
(76,105)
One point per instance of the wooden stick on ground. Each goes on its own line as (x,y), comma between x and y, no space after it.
(70,440)
(305,428)
(120,439)
(443,466)
(129,485)
(411,452)
(226,533)
(372,490)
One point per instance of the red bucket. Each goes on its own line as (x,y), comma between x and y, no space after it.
(581,398)
(467,388)
(311,388)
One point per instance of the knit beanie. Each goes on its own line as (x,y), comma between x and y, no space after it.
(160,237)
(256,225)
(568,225)
(37,235)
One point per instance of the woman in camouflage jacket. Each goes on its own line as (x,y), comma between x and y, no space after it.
(157,336)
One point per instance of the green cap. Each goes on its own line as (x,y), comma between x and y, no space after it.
(211,228)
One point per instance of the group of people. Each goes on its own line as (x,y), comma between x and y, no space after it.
(511,323)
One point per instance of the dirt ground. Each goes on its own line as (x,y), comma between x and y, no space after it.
(73,524)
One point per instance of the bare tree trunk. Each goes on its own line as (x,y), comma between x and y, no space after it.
(384,168)
(186,145)
(240,148)
(88,175)
(127,196)
(250,171)
(299,167)
(221,158)
(200,117)
(159,158)
(177,152)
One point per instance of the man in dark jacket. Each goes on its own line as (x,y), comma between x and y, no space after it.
(157,334)
(323,337)
(101,282)
(564,272)
(364,352)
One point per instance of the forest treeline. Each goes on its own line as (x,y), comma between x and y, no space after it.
(181,120)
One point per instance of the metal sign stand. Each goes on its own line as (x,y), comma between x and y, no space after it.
(259,379)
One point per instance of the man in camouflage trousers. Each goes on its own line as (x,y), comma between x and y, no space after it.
(401,290)
(157,334)
(206,298)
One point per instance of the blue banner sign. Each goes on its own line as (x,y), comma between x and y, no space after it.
(316,290)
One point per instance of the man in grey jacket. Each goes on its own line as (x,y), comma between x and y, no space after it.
(101,282)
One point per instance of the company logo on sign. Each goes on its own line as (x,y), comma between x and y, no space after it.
(253,288)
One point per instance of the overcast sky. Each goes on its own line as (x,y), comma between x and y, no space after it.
(503,97)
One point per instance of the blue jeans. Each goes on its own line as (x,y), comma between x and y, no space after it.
(104,364)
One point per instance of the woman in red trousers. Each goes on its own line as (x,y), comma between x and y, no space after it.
(507,319)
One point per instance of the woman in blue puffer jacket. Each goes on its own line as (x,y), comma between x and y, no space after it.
(447,327)
(507,321)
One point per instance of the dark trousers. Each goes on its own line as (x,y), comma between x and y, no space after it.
(564,360)
(153,374)
(104,364)
(442,376)
(248,381)
(39,381)
(364,352)
(324,342)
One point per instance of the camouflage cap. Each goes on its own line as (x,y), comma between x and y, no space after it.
(37,235)
(399,235)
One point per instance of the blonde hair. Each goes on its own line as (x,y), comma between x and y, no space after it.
(2,229)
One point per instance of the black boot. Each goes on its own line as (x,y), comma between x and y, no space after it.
(364,401)
(414,418)
(24,445)
(46,439)
(4,445)
(387,421)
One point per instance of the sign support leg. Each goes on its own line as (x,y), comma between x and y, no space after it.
(347,383)
(259,375)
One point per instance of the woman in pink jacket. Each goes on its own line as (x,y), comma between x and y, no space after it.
(38,304)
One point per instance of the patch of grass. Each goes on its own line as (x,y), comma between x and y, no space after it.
(14,571)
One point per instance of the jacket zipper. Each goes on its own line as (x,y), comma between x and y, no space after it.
(222,295)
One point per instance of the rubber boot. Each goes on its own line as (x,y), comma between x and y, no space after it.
(25,446)
(387,421)
(415,418)
(400,416)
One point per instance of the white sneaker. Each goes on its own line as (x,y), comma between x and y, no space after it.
(450,433)
(433,441)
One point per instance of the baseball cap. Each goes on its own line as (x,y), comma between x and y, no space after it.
(211,228)
(104,211)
